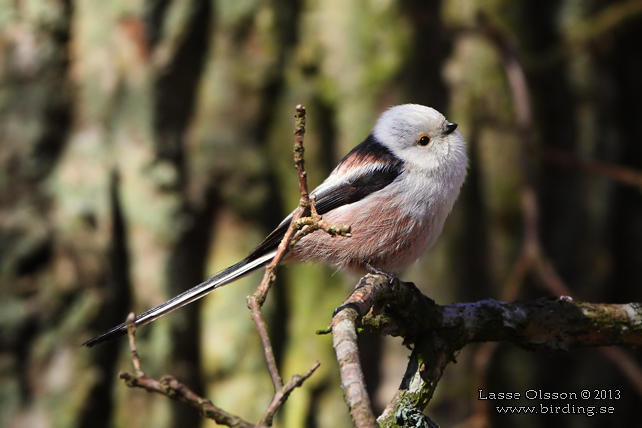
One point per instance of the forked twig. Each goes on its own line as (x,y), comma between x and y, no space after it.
(305,220)
(174,389)
(171,387)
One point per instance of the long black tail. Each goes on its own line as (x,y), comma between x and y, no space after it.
(230,274)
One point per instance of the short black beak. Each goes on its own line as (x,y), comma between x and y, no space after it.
(450,128)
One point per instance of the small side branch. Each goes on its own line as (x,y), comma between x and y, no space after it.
(172,388)
(281,396)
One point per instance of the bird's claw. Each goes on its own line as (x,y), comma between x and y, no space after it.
(392,278)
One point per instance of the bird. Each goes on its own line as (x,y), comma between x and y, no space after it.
(395,190)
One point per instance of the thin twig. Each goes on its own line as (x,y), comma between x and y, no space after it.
(304,226)
(268,351)
(299,162)
(304,205)
(256,301)
(131,334)
(281,396)
(172,388)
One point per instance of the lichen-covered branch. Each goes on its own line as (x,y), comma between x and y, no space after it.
(547,324)
(438,332)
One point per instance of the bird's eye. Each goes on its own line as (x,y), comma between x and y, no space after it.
(423,140)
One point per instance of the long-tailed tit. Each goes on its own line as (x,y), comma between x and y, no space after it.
(395,190)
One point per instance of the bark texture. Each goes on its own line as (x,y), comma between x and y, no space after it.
(146,144)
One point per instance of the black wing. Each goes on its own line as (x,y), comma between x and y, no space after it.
(387,167)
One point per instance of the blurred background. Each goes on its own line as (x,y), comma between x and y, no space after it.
(145,145)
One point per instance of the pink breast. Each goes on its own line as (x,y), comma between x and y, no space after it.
(381,237)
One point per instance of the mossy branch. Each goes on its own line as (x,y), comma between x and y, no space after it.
(437,333)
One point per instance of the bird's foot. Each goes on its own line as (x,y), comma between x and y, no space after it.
(392,278)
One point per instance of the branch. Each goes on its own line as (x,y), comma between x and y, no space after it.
(439,332)
(300,224)
(172,388)
(546,324)
(281,396)
(533,256)
(256,301)
(344,340)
